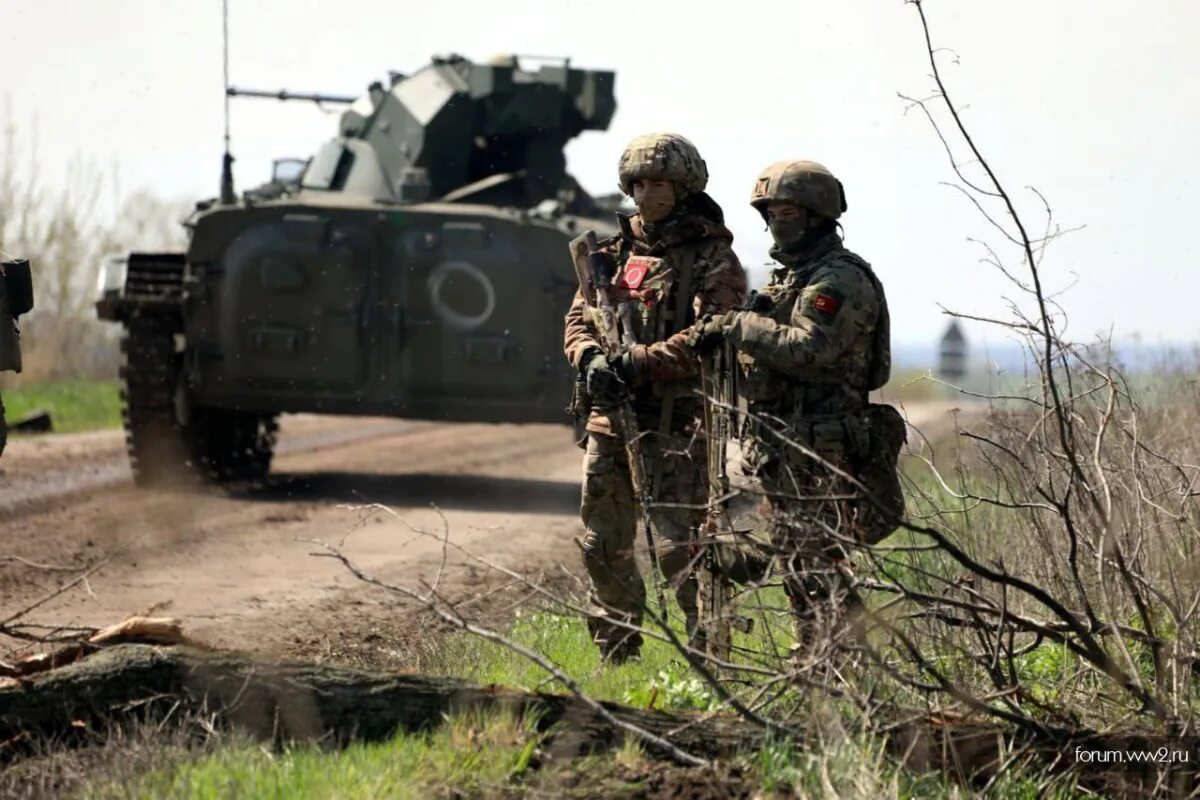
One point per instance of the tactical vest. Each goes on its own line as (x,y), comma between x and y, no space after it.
(784,394)
(659,306)
(833,418)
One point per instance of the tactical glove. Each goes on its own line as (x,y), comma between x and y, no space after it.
(604,385)
(712,331)
(626,370)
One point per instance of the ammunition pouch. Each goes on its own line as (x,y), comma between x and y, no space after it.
(579,409)
(879,471)
(865,443)
(18,286)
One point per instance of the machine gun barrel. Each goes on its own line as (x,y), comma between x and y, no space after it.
(284,94)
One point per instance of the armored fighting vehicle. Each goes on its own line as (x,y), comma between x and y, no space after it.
(415,266)
(16,298)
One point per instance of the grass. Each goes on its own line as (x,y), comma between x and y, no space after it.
(73,405)
(474,754)
(500,755)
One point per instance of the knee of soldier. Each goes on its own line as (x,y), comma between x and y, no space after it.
(674,526)
(600,474)
(603,545)
(673,558)
(592,546)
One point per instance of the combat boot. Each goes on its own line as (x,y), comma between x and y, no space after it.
(623,652)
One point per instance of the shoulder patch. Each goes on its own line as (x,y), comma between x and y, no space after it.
(636,270)
(827,304)
(824,302)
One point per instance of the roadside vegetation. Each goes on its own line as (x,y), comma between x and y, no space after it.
(499,755)
(66,230)
(74,406)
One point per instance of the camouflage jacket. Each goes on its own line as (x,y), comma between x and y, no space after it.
(696,249)
(825,342)
(10,343)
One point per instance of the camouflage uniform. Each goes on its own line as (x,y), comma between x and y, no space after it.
(16,297)
(807,362)
(12,303)
(692,272)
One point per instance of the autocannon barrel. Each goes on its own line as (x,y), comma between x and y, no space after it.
(284,94)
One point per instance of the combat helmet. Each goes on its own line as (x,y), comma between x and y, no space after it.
(805,183)
(664,157)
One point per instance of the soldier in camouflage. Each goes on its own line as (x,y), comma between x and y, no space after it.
(16,298)
(815,344)
(673,265)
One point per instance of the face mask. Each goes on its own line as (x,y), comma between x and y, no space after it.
(654,202)
(787,232)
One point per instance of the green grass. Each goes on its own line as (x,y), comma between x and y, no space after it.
(472,753)
(499,755)
(73,405)
(660,678)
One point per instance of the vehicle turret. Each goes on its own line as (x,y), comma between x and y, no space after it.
(455,128)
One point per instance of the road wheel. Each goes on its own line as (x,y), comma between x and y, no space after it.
(232,446)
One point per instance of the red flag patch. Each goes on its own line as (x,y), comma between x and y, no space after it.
(636,269)
(827,304)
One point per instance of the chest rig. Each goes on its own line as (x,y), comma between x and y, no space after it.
(653,287)
(822,394)
(654,292)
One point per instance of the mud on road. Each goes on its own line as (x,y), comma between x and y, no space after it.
(235,566)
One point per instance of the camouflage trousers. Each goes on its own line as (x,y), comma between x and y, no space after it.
(610,514)
(808,522)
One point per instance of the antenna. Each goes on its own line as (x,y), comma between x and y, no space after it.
(228,197)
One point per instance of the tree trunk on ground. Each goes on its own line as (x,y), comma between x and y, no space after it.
(295,701)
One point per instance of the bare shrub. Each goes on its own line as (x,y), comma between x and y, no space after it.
(1042,593)
(66,231)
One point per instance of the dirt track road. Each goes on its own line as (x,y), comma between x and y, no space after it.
(232,564)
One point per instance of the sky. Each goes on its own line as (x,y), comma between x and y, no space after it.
(1095,103)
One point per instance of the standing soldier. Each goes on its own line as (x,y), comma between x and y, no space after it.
(672,264)
(816,342)
(16,298)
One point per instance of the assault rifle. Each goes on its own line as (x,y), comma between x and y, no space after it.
(600,277)
(715,588)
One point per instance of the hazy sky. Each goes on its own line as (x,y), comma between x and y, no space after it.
(1094,102)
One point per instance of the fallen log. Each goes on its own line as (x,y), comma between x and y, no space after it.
(298,701)
(304,702)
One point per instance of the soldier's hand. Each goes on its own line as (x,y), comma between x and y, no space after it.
(626,369)
(603,383)
(712,331)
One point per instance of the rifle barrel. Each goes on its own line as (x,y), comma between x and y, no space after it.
(284,94)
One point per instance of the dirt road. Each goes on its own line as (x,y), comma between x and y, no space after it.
(235,567)
(231,564)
